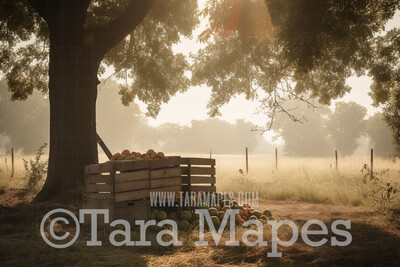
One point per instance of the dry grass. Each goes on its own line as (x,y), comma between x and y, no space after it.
(21,245)
(304,179)
(17,181)
(300,179)
(329,194)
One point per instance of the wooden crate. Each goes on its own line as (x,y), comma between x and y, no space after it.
(198,174)
(127,210)
(124,187)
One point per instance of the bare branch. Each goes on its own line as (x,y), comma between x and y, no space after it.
(109,77)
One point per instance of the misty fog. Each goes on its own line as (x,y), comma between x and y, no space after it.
(24,126)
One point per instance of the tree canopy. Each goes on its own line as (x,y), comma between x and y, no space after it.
(271,50)
(346,125)
(309,137)
(144,58)
(60,47)
(380,136)
(312,48)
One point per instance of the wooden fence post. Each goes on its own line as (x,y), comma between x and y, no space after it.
(247,160)
(372,162)
(12,162)
(276,158)
(336,159)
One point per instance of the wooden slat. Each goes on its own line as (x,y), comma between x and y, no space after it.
(133,182)
(131,186)
(175,188)
(173,181)
(99,196)
(165,173)
(99,188)
(198,180)
(98,168)
(130,165)
(165,162)
(198,188)
(132,195)
(132,210)
(198,171)
(197,161)
(98,178)
(141,194)
(96,204)
(131,176)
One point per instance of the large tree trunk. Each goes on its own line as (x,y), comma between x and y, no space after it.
(75,55)
(73,83)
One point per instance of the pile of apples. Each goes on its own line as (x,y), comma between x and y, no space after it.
(189,220)
(127,155)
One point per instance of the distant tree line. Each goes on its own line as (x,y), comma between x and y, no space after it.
(24,125)
(321,130)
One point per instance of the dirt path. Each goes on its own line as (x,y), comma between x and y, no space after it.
(301,211)
(376,241)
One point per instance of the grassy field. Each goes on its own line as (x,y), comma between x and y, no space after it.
(313,180)
(301,189)
(306,179)
(298,179)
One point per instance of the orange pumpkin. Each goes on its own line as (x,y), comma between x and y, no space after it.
(244,212)
(147,157)
(126,152)
(218,206)
(153,155)
(116,156)
(160,155)
(226,208)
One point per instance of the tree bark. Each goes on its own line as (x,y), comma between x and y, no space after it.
(73,83)
(75,56)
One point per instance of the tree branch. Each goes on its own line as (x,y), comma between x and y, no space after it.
(42,7)
(116,30)
(52,11)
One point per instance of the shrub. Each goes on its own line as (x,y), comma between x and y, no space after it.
(35,170)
